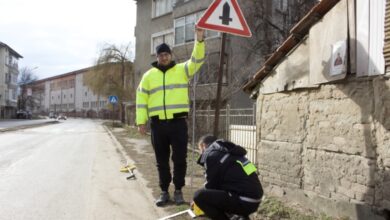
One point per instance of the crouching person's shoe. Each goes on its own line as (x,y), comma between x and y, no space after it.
(178,197)
(238,217)
(163,199)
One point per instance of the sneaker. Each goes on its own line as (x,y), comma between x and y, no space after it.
(178,197)
(163,199)
(238,217)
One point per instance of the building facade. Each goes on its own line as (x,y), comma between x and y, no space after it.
(323,109)
(68,94)
(9,71)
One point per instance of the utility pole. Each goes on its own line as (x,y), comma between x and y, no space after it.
(219,85)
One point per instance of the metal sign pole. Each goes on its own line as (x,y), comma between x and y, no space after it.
(219,86)
(113,114)
(193,129)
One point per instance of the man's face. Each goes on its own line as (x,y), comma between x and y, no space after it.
(164,58)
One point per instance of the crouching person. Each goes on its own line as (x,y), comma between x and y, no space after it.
(232,186)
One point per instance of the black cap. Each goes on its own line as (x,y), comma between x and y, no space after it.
(163,48)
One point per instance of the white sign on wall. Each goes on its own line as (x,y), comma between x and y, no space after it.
(339,58)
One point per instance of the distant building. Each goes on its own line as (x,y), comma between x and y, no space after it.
(67,93)
(9,72)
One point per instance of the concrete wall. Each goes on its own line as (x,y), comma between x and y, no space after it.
(328,147)
(79,92)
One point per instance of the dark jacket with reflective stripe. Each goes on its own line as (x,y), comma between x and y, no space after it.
(225,173)
(164,93)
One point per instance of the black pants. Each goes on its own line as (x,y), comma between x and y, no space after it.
(167,134)
(216,203)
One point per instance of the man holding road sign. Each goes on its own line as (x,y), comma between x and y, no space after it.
(162,97)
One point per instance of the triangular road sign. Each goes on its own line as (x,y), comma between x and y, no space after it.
(225,16)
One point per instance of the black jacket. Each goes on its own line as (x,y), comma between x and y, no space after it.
(228,175)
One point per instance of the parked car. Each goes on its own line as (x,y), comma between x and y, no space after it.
(52,115)
(61,117)
(22,114)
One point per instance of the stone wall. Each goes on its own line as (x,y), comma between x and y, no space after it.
(328,146)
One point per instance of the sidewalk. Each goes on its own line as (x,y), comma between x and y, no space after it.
(15,124)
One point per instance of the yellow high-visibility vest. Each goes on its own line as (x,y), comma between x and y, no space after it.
(164,94)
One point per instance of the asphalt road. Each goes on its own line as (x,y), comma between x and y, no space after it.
(68,170)
(22,122)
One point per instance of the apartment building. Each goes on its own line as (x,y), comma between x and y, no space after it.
(173,22)
(66,93)
(9,71)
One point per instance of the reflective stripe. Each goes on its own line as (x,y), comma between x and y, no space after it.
(193,59)
(247,199)
(245,163)
(158,108)
(186,69)
(143,90)
(248,168)
(142,106)
(172,86)
(224,158)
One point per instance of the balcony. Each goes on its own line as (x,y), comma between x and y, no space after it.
(13,67)
(11,83)
(11,103)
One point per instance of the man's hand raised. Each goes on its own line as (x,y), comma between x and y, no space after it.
(199,33)
(142,129)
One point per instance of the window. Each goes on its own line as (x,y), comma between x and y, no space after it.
(161,7)
(185,26)
(13,61)
(85,104)
(14,78)
(12,94)
(86,93)
(282,6)
(71,96)
(161,37)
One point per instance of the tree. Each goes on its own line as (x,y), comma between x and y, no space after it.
(113,74)
(26,76)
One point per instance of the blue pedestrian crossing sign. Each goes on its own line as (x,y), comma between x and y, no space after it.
(113,99)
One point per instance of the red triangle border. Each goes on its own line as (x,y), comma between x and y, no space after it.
(202,21)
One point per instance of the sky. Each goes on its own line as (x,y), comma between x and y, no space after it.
(56,37)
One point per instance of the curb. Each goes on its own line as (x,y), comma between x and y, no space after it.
(141,181)
(27,126)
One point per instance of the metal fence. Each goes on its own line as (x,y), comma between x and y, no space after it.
(236,125)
